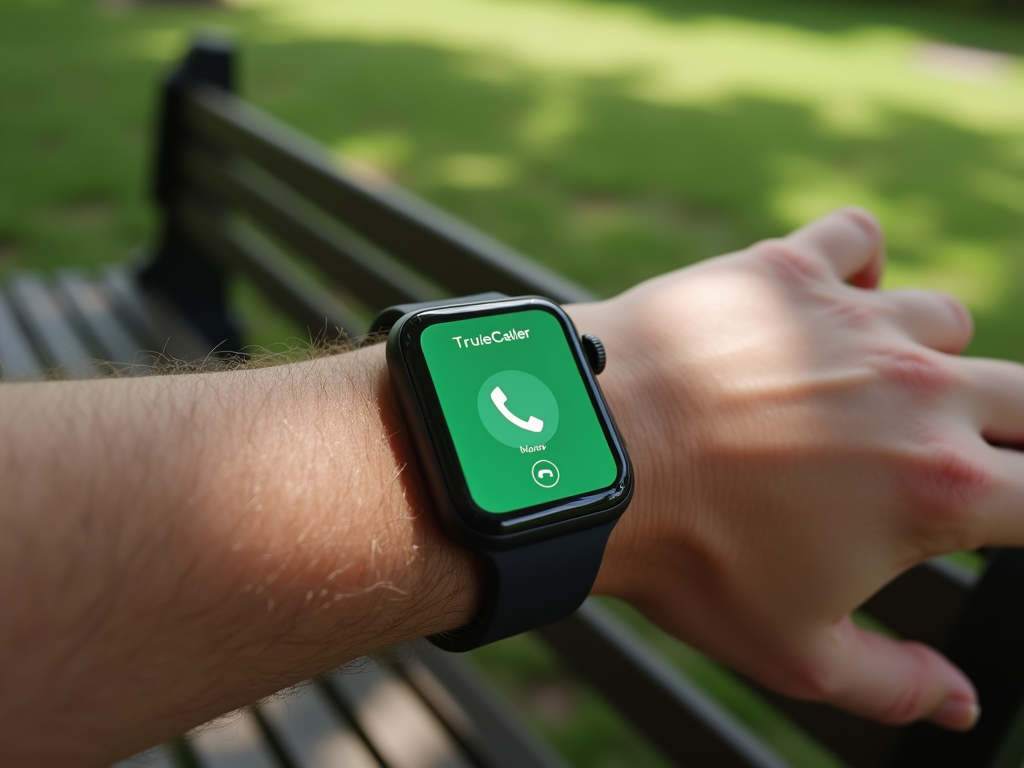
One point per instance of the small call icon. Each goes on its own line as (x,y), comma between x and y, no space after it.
(545,474)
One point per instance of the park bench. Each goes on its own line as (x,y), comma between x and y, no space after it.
(240,194)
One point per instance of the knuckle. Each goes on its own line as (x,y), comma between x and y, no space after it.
(915,371)
(790,264)
(854,312)
(944,486)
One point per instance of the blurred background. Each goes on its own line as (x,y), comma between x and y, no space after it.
(610,140)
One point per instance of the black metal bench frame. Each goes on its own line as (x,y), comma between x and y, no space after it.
(219,164)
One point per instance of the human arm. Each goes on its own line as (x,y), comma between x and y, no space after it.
(750,390)
(174,547)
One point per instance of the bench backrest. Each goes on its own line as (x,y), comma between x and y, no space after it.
(242,193)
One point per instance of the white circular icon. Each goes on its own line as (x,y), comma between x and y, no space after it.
(545,474)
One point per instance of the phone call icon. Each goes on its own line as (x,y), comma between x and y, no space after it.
(499,398)
(545,474)
(518,409)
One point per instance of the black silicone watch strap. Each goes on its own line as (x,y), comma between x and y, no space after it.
(531,586)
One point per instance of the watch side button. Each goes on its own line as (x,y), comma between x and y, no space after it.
(594,350)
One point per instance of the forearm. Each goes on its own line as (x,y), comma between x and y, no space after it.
(209,538)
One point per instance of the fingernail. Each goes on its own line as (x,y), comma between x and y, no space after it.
(957,714)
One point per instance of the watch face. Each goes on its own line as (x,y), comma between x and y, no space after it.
(518,410)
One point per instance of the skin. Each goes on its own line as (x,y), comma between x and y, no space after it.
(176,547)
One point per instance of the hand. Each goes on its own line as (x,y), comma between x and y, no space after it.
(799,439)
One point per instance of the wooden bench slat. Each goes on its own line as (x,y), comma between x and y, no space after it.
(860,743)
(154,757)
(405,733)
(313,734)
(51,327)
(922,603)
(161,327)
(679,718)
(95,313)
(18,361)
(232,741)
(123,290)
(405,226)
(482,722)
(314,308)
(375,280)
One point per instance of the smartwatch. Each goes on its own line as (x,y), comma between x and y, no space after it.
(519,450)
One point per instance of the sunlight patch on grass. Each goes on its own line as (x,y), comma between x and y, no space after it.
(975,272)
(555,115)
(807,187)
(385,150)
(846,77)
(474,171)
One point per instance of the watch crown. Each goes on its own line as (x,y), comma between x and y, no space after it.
(594,350)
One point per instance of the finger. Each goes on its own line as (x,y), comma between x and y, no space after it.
(935,319)
(993,402)
(850,241)
(995,391)
(898,681)
(1002,512)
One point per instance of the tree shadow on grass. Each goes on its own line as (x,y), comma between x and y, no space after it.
(632,188)
(578,171)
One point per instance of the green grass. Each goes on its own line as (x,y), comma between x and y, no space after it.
(611,140)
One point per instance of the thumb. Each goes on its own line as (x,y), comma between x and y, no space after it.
(898,681)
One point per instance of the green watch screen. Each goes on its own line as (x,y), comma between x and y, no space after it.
(524,427)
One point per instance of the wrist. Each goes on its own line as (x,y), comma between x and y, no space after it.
(653,532)
(428,584)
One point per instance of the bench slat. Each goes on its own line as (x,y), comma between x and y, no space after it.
(312,307)
(860,743)
(51,327)
(160,326)
(313,734)
(404,731)
(124,293)
(857,741)
(672,712)
(376,281)
(408,228)
(482,722)
(986,642)
(17,359)
(233,741)
(95,313)
(154,757)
